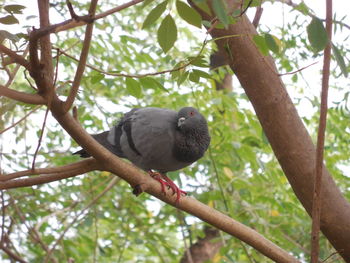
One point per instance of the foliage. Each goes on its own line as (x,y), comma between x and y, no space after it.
(239,175)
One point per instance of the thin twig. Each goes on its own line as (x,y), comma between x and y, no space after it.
(34,234)
(249,256)
(331,255)
(298,70)
(71,10)
(294,5)
(218,179)
(40,138)
(189,62)
(316,200)
(245,9)
(20,120)
(82,61)
(76,218)
(12,255)
(71,23)
(132,75)
(257,16)
(2,216)
(187,249)
(15,70)
(47,110)
(27,79)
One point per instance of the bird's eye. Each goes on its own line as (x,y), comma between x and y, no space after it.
(191,113)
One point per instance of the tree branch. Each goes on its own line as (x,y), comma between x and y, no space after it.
(82,61)
(43,179)
(71,23)
(257,16)
(22,96)
(316,200)
(188,63)
(11,254)
(79,168)
(76,218)
(110,162)
(20,120)
(16,58)
(294,5)
(284,129)
(34,234)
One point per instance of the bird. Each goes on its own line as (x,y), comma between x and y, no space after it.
(158,140)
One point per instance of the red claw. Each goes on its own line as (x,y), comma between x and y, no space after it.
(166,181)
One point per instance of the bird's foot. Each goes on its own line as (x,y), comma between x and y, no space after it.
(158,177)
(167,182)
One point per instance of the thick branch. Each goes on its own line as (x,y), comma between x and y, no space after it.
(45,43)
(14,56)
(51,170)
(135,178)
(287,135)
(51,177)
(22,96)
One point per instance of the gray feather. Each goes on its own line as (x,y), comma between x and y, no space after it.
(155,139)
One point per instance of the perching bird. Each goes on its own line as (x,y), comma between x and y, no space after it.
(156,139)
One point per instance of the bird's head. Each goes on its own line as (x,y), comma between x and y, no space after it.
(190,119)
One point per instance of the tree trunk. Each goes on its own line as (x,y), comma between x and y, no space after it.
(205,249)
(284,129)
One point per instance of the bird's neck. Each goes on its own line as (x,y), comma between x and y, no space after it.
(188,147)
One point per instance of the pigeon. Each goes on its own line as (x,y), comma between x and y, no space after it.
(158,141)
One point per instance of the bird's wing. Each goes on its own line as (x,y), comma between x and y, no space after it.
(148,138)
(102,138)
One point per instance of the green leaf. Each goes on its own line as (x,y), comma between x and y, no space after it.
(154,14)
(8,20)
(146,2)
(261,44)
(7,35)
(194,77)
(317,34)
(199,62)
(14,9)
(204,6)
(188,14)
(340,60)
(151,83)
(176,73)
(220,11)
(271,42)
(302,7)
(133,87)
(167,33)
(183,76)
(97,77)
(202,74)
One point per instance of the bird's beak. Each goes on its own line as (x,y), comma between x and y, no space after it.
(180,121)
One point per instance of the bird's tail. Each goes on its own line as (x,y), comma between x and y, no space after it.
(102,138)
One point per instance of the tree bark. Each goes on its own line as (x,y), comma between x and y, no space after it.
(205,249)
(284,129)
